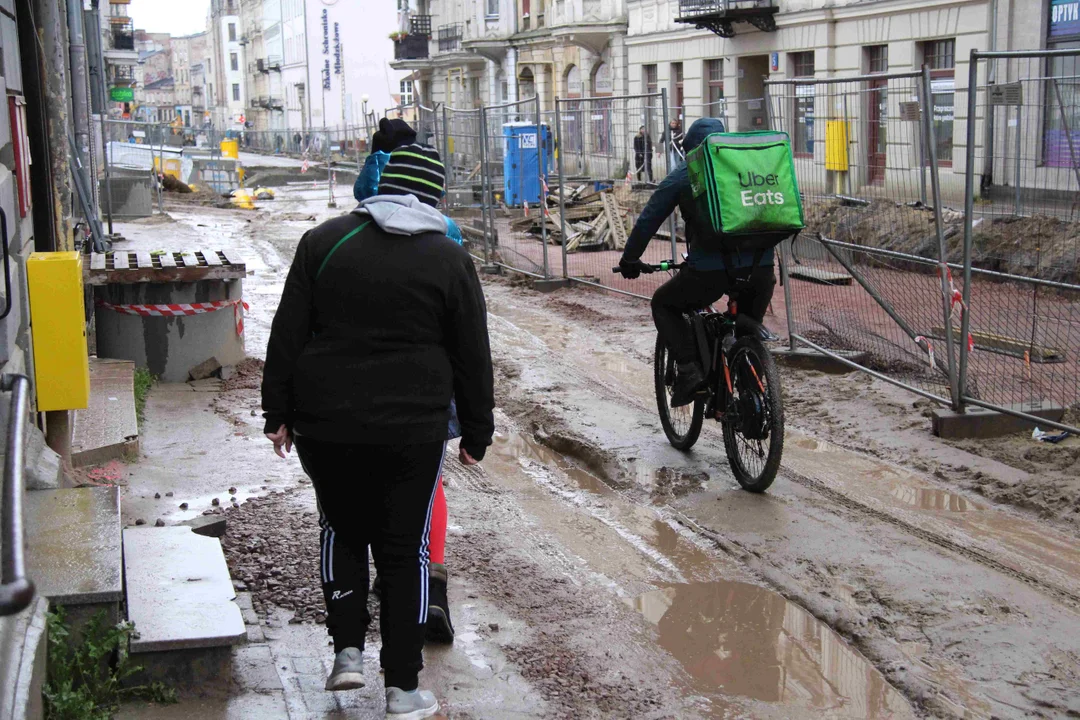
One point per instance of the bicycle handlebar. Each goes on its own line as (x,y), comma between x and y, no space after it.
(664,266)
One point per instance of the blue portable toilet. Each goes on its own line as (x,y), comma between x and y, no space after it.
(523,163)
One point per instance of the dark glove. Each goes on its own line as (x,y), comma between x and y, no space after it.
(632,269)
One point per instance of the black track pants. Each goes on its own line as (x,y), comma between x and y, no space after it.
(693,290)
(376,496)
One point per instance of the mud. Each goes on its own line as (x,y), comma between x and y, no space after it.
(809,538)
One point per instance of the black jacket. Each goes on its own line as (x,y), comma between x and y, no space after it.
(642,145)
(371,349)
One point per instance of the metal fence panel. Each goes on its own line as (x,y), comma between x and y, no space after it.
(864,274)
(612,152)
(462,142)
(1021,247)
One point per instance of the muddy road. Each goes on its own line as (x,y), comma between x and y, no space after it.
(597,572)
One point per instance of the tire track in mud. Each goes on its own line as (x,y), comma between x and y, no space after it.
(588,452)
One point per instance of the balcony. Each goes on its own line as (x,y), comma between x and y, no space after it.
(449,37)
(273,63)
(720,16)
(411,47)
(274,103)
(420,25)
(121,74)
(123,35)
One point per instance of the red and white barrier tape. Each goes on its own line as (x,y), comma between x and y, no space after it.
(182,310)
(955,298)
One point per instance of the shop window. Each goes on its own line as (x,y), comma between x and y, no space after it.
(940,57)
(1061,134)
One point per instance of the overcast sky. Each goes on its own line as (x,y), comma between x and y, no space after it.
(177,17)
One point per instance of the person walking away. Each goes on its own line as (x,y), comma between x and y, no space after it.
(393,133)
(710,274)
(382,321)
(643,150)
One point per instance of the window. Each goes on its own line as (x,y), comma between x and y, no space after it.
(714,76)
(877,59)
(573,139)
(802,134)
(234,61)
(940,57)
(649,72)
(232,32)
(236,91)
(493,8)
(406,92)
(676,90)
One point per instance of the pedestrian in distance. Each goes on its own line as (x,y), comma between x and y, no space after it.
(382,321)
(675,139)
(643,150)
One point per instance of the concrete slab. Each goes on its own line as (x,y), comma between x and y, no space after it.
(179,593)
(73,541)
(817,275)
(546,286)
(980,423)
(22,662)
(108,428)
(807,359)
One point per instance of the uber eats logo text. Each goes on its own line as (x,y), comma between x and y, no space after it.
(760,194)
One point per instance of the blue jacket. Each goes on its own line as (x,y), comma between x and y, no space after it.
(674,192)
(367,185)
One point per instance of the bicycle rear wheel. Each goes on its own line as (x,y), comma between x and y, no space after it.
(682,425)
(754,437)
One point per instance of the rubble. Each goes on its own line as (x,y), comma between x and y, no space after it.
(595,220)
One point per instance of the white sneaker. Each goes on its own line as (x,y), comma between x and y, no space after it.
(415,705)
(348,672)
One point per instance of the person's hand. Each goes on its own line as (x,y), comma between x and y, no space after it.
(281,439)
(632,269)
(466,458)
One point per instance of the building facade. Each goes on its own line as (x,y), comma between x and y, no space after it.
(227,66)
(121,57)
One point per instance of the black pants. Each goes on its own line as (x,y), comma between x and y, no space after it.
(643,163)
(376,496)
(692,290)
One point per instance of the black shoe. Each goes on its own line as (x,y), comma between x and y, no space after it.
(439,628)
(688,382)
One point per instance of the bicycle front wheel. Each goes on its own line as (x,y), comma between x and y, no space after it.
(754,426)
(682,425)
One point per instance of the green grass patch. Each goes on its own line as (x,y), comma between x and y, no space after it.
(143,382)
(87,670)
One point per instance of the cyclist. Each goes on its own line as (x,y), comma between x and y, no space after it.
(710,273)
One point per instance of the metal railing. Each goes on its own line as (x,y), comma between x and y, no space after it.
(449,37)
(16,589)
(690,8)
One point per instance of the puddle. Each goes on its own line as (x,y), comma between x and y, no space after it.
(749,641)
(927,498)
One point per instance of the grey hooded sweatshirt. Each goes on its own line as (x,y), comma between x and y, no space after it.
(382,320)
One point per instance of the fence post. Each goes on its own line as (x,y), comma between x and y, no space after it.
(330,202)
(105,135)
(541,156)
(562,189)
(969,220)
(485,209)
(447,165)
(943,250)
(669,152)
(1016,165)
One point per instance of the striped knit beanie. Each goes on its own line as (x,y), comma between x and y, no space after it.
(414,170)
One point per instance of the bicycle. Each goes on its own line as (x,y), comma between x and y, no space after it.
(742,390)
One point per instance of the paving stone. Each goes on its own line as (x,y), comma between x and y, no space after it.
(107,428)
(73,544)
(179,593)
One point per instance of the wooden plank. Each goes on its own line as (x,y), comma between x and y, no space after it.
(143,260)
(1007,345)
(211,258)
(616,221)
(232,258)
(187,259)
(120,260)
(97,261)
(167,260)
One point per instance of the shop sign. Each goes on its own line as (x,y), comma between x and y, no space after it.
(1064,18)
(122,94)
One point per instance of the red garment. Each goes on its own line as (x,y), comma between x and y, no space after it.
(439,518)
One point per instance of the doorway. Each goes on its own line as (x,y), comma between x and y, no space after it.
(877,99)
(753,70)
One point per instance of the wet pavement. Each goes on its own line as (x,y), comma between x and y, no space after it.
(597,572)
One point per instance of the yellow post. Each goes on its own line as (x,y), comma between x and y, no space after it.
(61,363)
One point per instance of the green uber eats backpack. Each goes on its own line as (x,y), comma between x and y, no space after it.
(744,183)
